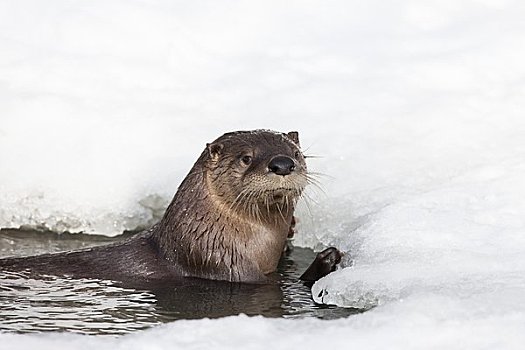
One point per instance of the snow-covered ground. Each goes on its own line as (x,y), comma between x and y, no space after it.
(415,107)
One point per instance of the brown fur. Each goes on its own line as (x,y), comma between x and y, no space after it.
(229,220)
(225,222)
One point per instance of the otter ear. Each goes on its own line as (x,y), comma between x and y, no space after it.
(214,149)
(294,136)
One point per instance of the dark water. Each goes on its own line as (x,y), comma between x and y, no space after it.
(92,306)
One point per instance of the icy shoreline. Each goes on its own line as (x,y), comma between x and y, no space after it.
(415,107)
(397,325)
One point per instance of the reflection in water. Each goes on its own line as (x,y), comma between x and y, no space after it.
(92,306)
(76,305)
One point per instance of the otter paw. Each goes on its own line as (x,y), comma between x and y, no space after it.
(324,263)
(291,230)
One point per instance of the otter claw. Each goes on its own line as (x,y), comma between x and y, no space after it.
(324,263)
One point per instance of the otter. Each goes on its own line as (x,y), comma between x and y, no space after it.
(229,220)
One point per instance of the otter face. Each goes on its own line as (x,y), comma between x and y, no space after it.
(257,168)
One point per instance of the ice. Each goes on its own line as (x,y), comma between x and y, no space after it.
(415,109)
(394,327)
(101,111)
(456,230)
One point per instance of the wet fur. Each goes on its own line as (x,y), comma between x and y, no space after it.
(228,221)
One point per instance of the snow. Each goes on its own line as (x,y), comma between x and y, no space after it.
(415,107)
(373,330)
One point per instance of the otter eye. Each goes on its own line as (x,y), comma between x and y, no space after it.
(297,154)
(246,160)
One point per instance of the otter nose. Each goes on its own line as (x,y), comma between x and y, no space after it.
(281,165)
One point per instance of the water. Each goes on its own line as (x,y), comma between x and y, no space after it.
(92,306)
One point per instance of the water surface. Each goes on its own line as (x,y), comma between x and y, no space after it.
(92,306)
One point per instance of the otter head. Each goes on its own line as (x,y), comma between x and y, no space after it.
(256,172)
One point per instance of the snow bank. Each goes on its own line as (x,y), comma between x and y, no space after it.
(460,238)
(108,103)
(416,108)
(398,329)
